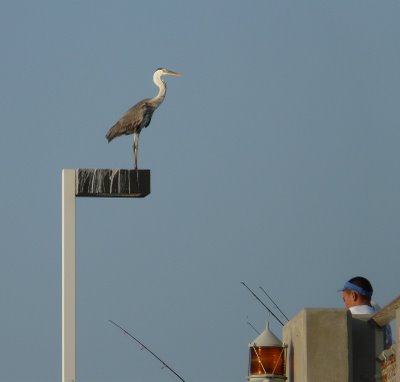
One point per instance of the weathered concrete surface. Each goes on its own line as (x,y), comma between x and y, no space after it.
(114,183)
(331,345)
(388,313)
(367,343)
(318,346)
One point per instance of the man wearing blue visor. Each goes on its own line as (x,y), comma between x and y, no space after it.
(356,294)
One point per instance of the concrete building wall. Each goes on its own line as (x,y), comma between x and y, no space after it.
(367,343)
(318,343)
(331,345)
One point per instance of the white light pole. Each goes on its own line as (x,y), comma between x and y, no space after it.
(68,277)
(114,183)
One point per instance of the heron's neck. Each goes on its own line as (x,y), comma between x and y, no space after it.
(162,86)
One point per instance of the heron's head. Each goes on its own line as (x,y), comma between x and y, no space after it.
(165,72)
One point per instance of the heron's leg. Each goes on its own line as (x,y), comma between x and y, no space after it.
(135,153)
(135,148)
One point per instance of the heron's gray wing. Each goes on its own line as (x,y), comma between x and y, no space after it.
(123,126)
(137,117)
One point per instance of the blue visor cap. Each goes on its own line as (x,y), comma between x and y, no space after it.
(350,286)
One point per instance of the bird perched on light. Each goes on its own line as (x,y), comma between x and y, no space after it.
(139,115)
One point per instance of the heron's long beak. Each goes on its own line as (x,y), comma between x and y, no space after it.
(172,73)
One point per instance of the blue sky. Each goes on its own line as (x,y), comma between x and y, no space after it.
(274,160)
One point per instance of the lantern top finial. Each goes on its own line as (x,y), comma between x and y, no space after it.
(266,338)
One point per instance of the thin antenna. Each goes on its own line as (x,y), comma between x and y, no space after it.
(146,348)
(276,306)
(265,306)
(252,326)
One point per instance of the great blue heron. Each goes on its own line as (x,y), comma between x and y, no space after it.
(139,115)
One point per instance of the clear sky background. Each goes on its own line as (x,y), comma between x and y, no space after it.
(274,161)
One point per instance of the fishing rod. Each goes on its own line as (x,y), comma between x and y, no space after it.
(252,326)
(146,348)
(265,306)
(277,307)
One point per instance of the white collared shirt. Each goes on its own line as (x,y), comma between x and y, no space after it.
(362,309)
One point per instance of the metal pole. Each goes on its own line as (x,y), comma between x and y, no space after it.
(68,277)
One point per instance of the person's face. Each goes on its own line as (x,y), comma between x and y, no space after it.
(349,298)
